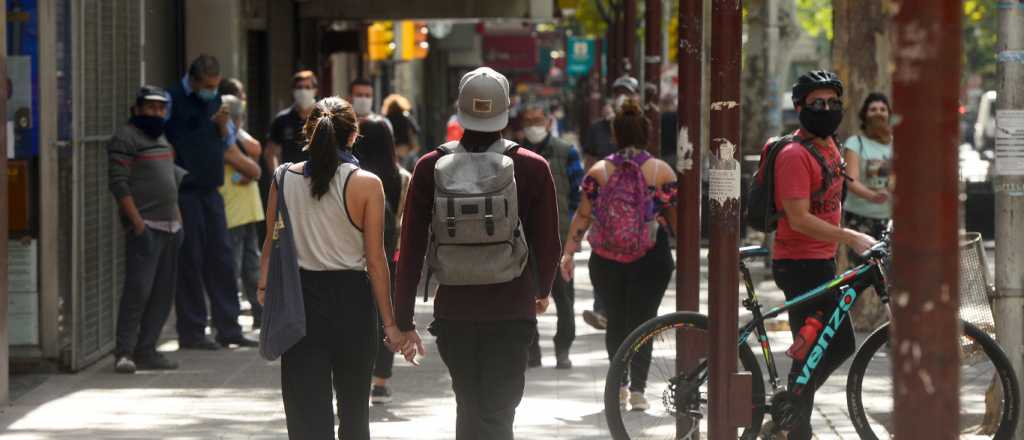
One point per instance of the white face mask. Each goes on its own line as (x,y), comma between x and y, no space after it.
(304,98)
(619,100)
(362,105)
(535,133)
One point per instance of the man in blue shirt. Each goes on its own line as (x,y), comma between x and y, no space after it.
(200,130)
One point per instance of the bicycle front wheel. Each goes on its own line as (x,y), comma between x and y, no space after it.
(678,397)
(989,392)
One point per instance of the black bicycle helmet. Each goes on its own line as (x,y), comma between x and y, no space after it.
(814,80)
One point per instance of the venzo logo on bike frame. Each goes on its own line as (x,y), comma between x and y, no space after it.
(828,333)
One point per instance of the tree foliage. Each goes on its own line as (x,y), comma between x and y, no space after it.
(980,35)
(815,17)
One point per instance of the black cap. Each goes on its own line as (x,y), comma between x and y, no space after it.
(627,82)
(151,93)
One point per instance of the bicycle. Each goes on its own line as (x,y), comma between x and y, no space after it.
(684,395)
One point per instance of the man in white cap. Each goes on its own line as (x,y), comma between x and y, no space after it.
(485,309)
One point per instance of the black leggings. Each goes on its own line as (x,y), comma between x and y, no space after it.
(338,350)
(796,277)
(633,292)
(385,361)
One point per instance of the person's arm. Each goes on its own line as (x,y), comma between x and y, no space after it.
(856,187)
(581,221)
(268,242)
(574,170)
(250,146)
(272,155)
(248,167)
(419,204)
(121,156)
(541,228)
(798,214)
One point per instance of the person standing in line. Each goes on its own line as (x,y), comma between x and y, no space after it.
(200,129)
(360,93)
(869,165)
(336,212)
(486,307)
(598,143)
(398,110)
(380,160)
(144,180)
(627,191)
(567,172)
(808,192)
(243,206)
(286,140)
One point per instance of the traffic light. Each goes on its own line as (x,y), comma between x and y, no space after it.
(380,38)
(413,35)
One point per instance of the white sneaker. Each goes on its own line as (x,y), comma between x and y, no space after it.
(623,397)
(124,365)
(637,401)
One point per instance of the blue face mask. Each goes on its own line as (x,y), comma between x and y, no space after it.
(207,94)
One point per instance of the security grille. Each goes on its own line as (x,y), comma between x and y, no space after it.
(106,71)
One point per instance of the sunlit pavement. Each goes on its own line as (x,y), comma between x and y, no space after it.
(235,394)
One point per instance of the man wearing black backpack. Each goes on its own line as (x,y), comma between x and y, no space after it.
(805,197)
(482,211)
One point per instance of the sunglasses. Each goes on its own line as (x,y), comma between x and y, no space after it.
(822,104)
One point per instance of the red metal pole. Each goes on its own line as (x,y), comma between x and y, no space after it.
(926,84)
(688,160)
(724,193)
(652,72)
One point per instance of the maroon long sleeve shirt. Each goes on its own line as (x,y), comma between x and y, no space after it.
(512,300)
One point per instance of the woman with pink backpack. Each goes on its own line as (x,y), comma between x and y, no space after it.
(626,207)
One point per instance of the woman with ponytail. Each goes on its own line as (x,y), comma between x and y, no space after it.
(337,219)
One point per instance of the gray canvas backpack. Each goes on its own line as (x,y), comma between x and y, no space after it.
(476,236)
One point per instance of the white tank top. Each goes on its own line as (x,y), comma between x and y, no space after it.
(325,236)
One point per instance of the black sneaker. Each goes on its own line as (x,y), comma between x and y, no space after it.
(124,365)
(155,361)
(202,344)
(240,341)
(380,395)
(595,319)
(562,361)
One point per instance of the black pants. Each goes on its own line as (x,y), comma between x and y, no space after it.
(206,271)
(633,292)
(385,361)
(487,362)
(796,277)
(151,269)
(564,295)
(338,350)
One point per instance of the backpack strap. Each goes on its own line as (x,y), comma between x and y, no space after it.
(451,148)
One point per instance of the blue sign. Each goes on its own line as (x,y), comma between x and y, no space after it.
(580,56)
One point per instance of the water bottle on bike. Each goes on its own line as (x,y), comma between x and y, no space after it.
(805,338)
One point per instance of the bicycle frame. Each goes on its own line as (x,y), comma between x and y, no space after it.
(849,285)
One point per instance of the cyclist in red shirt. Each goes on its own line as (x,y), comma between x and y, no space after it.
(809,231)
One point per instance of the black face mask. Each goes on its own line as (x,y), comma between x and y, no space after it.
(153,126)
(821,123)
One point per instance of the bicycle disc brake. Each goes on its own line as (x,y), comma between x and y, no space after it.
(785,409)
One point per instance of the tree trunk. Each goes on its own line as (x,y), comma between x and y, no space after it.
(861,56)
(754,110)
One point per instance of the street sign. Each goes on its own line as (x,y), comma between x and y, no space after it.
(580,53)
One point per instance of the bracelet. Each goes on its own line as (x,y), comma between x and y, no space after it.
(261,288)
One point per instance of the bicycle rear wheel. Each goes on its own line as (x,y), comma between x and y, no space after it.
(676,398)
(989,392)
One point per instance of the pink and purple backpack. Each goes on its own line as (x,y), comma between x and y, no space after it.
(624,227)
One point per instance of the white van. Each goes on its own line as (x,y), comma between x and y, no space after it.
(985,125)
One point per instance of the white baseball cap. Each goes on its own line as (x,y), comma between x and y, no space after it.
(483,100)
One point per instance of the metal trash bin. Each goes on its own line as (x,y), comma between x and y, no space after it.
(975,290)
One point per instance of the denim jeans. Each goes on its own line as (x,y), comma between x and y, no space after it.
(245,245)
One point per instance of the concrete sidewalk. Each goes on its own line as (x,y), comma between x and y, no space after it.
(235,394)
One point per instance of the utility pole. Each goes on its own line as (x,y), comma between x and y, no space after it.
(1009,188)
(4,337)
(926,247)
(690,346)
(652,73)
(727,390)
(627,39)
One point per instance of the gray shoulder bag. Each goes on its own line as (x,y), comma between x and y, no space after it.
(284,313)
